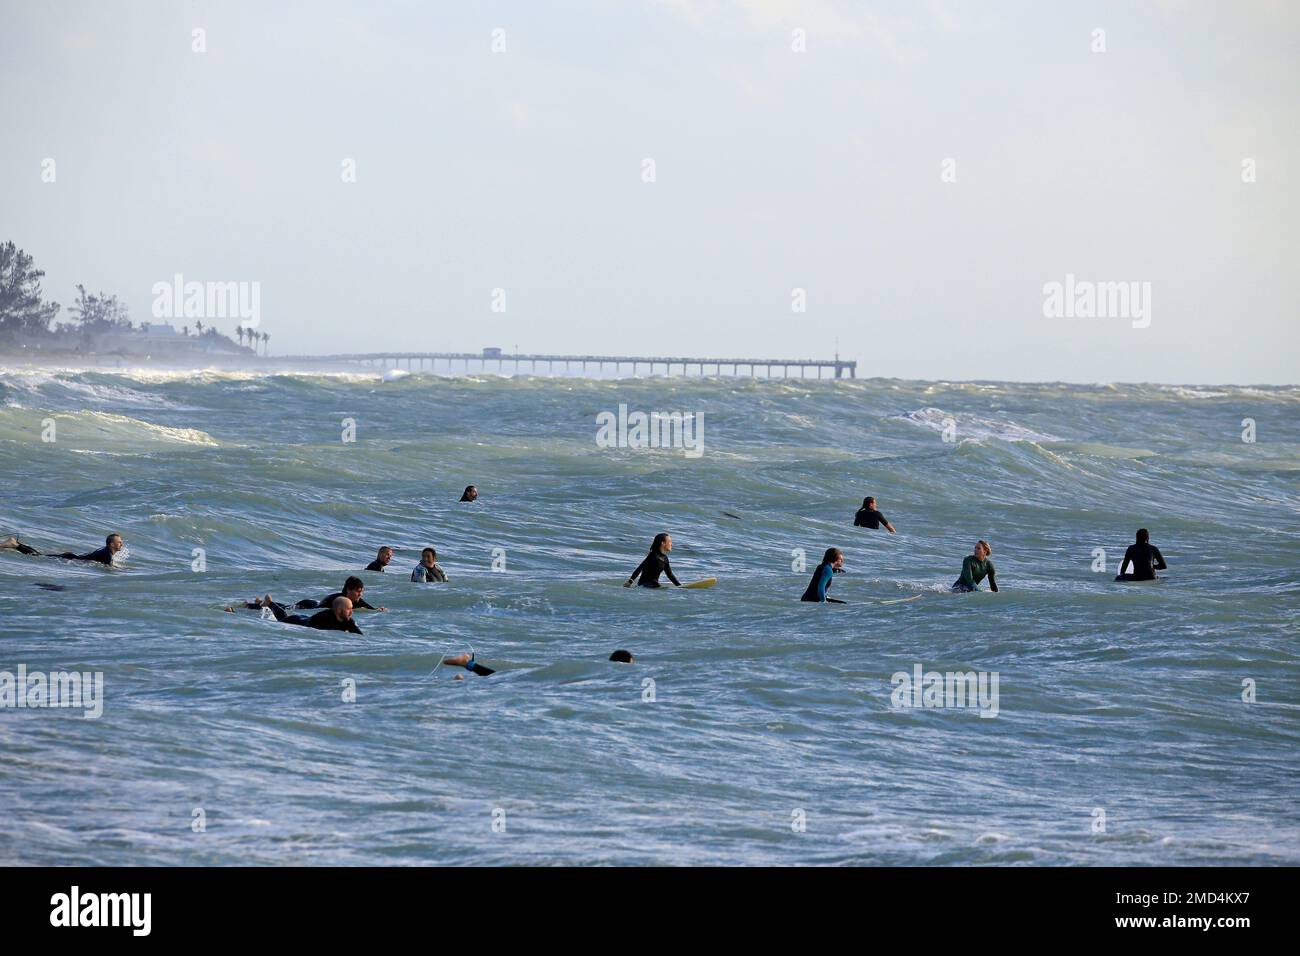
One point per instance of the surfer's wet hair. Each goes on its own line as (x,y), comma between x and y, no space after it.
(659,540)
(621,657)
(981,543)
(1144,536)
(431,551)
(830,555)
(868,501)
(109,540)
(354,583)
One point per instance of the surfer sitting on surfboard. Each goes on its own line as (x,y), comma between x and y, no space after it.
(428,570)
(655,564)
(974,568)
(832,564)
(1145,558)
(869,517)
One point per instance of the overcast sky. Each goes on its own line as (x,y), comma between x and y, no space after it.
(774,170)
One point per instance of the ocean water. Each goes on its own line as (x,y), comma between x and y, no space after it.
(1147,724)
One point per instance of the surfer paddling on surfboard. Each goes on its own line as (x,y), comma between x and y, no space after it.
(104,555)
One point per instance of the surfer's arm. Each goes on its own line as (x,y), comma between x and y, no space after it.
(1160,559)
(668,570)
(1128,559)
(636,574)
(993,582)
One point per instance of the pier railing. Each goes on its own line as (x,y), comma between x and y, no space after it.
(568,364)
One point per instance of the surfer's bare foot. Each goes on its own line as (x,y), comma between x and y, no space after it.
(10,542)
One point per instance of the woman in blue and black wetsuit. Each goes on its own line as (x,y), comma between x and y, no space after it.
(832,564)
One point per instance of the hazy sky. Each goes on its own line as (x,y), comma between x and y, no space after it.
(774,170)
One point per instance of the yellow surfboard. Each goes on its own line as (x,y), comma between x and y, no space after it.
(703,583)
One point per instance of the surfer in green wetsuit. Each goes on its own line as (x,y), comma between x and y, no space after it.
(974,568)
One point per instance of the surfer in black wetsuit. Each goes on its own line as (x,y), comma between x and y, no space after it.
(104,555)
(832,564)
(1145,558)
(337,617)
(655,564)
(381,559)
(469,494)
(353,588)
(467,661)
(869,517)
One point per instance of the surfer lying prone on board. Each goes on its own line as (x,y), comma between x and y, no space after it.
(832,564)
(337,617)
(104,555)
(353,588)
(655,564)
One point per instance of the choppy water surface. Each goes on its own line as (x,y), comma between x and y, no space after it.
(771,737)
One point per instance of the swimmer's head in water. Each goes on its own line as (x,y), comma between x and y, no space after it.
(353,587)
(982,549)
(1144,536)
(662,542)
(622,657)
(385,554)
(470,493)
(113,542)
(834,557)
(428,556)
(868,502)
(342,608)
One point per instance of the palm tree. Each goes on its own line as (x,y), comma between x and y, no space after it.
(186,330)
(239,331)
(199,326)
(266,337)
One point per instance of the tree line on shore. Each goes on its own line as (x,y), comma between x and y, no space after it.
(26,315)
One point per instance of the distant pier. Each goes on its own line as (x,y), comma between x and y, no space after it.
(494,359)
